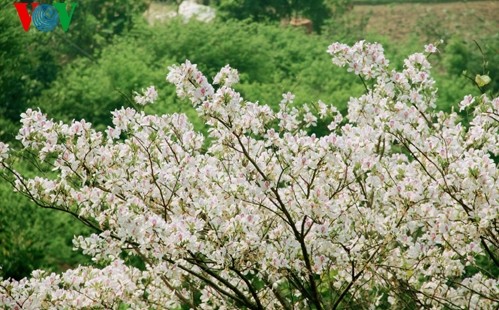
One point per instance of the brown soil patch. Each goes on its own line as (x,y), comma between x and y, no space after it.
(431,21)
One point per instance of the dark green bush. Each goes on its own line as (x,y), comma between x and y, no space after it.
(34,238)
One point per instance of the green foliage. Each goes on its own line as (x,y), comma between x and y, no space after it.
(26,65)
(347,28)
(467,58)
(90,90)
(95,23)
(271,59)
(261,10)
(258,10)
(30,61)
(33,238)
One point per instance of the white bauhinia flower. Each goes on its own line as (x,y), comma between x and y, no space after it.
(150,95)
(397,203)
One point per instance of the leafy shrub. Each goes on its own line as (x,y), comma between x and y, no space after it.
(274,10)
(24,72)
(468,58)
(269,58)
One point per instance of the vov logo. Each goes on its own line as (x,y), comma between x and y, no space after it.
(45,17)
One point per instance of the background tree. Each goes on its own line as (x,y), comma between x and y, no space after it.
(316,10)
(27,66)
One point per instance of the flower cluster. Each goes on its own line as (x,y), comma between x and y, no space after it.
(226,77)
(4,150)
(190,82)
(148,96)
(398,203)
(362,58)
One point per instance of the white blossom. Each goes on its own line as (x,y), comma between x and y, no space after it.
(396,203)
(150,95)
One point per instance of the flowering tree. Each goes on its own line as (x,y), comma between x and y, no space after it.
(397,204)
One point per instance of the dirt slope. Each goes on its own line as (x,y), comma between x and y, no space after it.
(398,21)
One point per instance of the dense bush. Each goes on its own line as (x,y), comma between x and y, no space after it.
(30,61)
(27,66)
(467,58)
(275,10)
(269,58)
(95,23)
